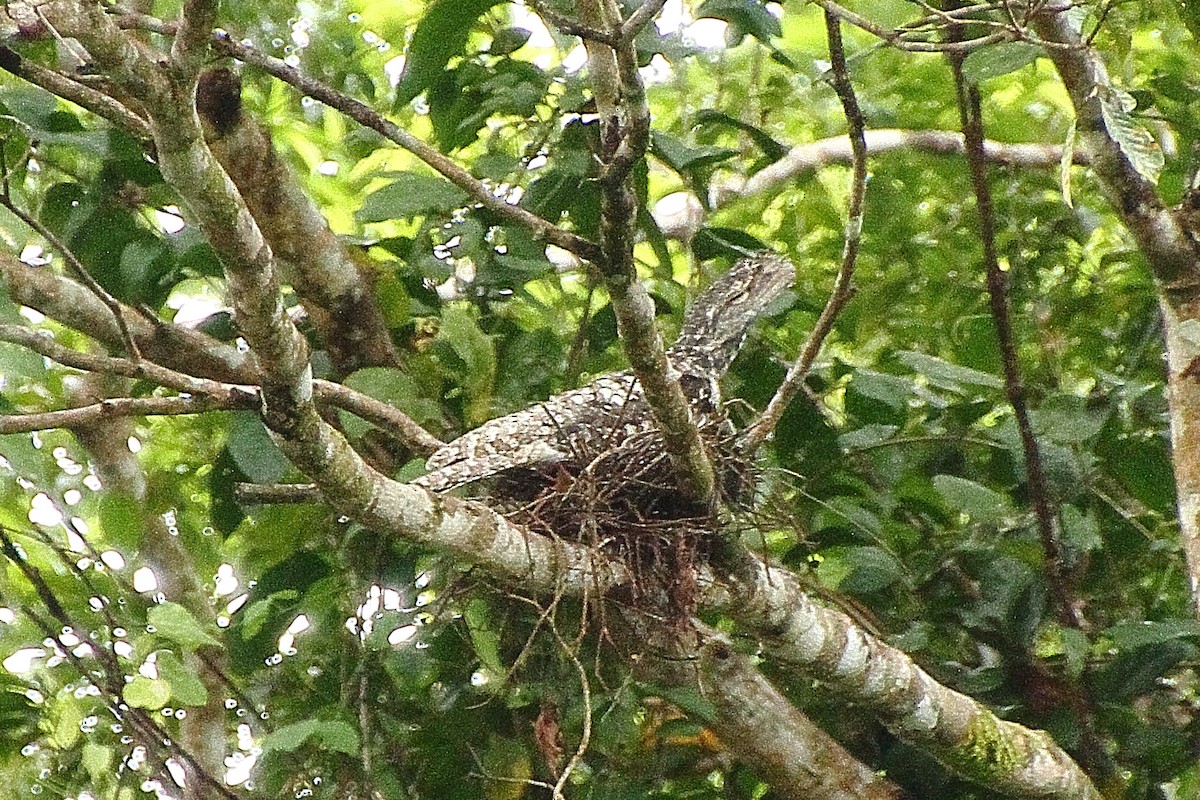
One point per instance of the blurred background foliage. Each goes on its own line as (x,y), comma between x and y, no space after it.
(896,485)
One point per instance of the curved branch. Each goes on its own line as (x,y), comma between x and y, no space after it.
(838,150)
(114,407)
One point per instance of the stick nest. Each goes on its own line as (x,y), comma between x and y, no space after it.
(627,501)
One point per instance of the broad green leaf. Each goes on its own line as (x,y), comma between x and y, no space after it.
(1116,106)
(440,36)
(945,374)
(257,613)
(999,59)
(683,157)
(477,356)
(508,40)
(186,687)
(1081,531)
(871,569)
(121,520)
(411,195)
(748,16)
(334,735)
(253,450)
(1132,635)
(484,635)
(394,387)
(148,693)
(976,500)
(174,622)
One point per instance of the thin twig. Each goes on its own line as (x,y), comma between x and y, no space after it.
(114,305)
(81,95)
(1014,389)
(112,407)
(369,118)
(843,288)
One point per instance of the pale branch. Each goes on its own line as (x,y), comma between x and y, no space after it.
(810,157)
(470,530)
(640,18)
(763,729)
(71,304)
(815,642)
(843,288)
(82,95)
(624,136)
(1168,239)
(369,118)
(115,407)
(751,719)
(336,289)
(206,190)
(189,50)
(385,417)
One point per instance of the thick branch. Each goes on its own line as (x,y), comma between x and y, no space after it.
(336,291)
(624,136)
(1167,237)
(821,643)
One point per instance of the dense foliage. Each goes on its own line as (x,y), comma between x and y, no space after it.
(897,484)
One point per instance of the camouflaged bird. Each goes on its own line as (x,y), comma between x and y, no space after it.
(582,423)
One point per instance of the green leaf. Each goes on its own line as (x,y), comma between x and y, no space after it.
(335,735)
(682,157)
(148,693)
(394,387)
(253,450)
(476,354)
(121,520)
(977,501)
(258,612)
(173,621)
(1065,162)
(1081,531)
(484,636)
(186,687)
(748,16)
(999,59)
(1132,635)
(440,36)
(411,195)
(946,375)
(508,40)
(1116,106)
(871,569)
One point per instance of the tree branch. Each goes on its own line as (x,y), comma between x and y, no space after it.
(843,288)
(624,135)
(367,117)
(820,643)
(809,157)
(115,407)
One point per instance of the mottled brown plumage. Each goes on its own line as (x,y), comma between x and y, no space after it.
(585,422)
